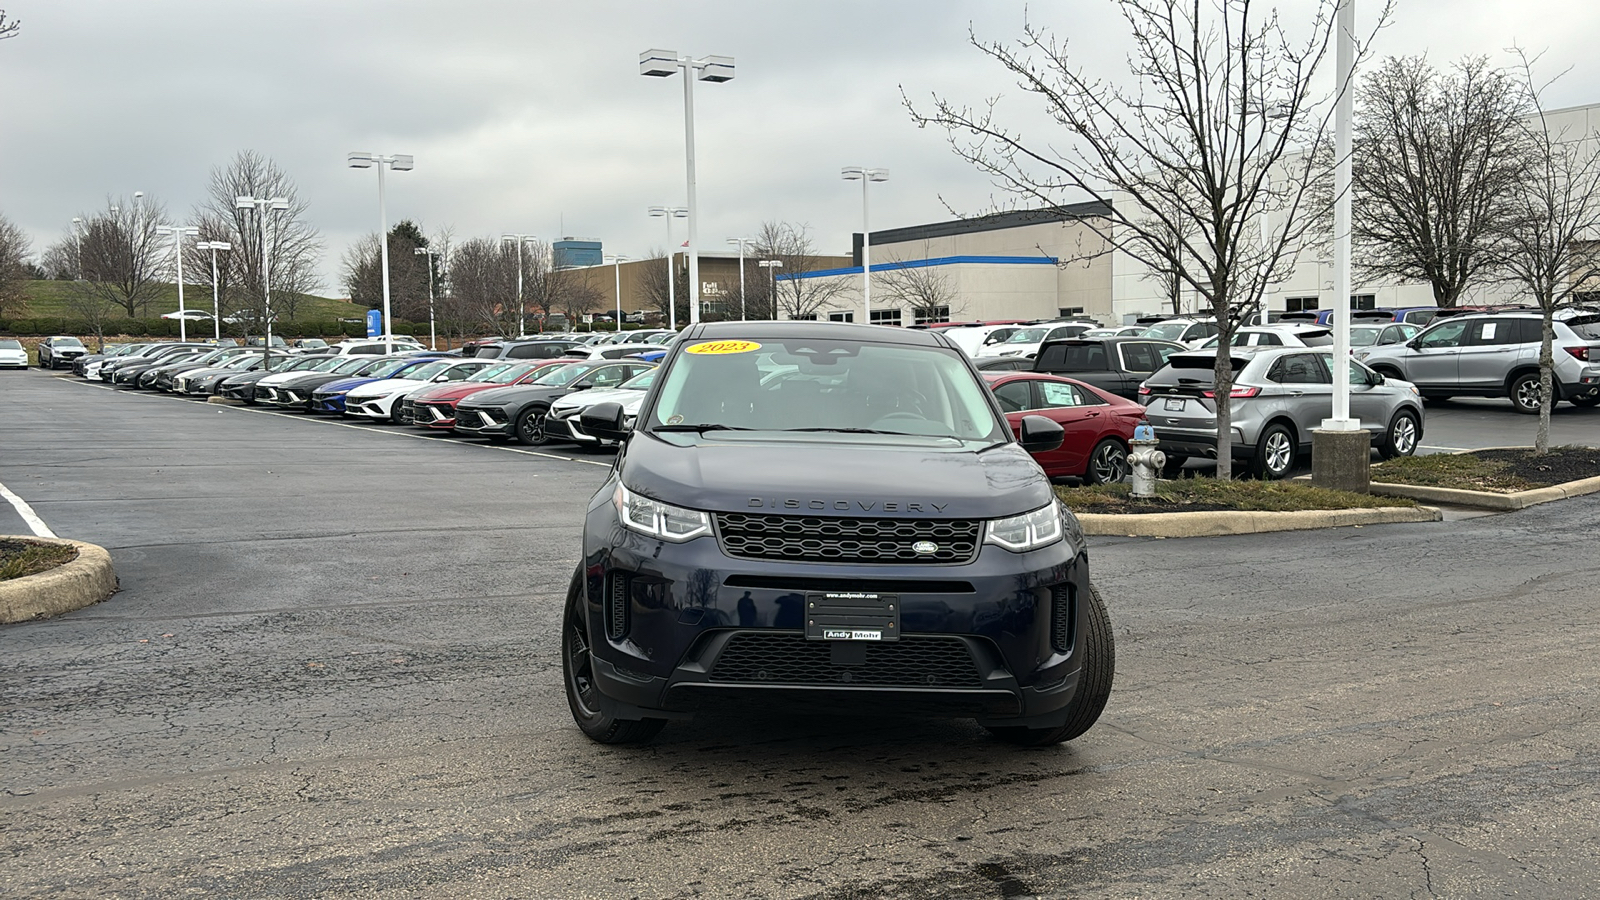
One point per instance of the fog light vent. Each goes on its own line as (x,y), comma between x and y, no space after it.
(1063,613)
(616,605)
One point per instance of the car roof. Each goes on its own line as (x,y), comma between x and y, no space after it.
(837,331)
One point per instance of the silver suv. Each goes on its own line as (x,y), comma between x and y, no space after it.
(1279,395)
(1497,355)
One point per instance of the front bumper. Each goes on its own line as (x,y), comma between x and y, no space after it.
(482,421)
(434,415)
(994,639)
(287,398)
(367,407)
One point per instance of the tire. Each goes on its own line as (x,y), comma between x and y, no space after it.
(1108,463)
(1524,393)
(394,414)
(1094,684)
(530,427)
(1173,468)
(1275,453)
(1404,433)
(590,708)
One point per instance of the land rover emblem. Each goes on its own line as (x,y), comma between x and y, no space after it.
(925,547)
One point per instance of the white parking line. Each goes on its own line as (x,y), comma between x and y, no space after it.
(371,430)
(39,528)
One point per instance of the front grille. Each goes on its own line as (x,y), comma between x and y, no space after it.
(1062,609)
(828,539)
(779,658)
(437,413)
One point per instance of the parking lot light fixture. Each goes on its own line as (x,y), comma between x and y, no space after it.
(178,233)
(616,265)
(715,69)
(742,242)
(865,176)
(216,303)
(520,239)
(400,162)
(670,213)
(430,253)
(774,265)
(263,207)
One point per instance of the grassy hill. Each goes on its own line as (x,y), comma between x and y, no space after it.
(49,299)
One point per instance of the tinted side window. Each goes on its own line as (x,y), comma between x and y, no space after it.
(1139,357)
(1447,334)
(1493,333)
(1299,369)
(528,351)
(1014,396)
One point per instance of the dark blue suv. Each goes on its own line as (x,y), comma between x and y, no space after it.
(833,516)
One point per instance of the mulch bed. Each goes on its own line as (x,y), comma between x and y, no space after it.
(1559,466)
(21,558)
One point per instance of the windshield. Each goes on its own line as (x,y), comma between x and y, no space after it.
(639,382)
(383,368)
(423,373)
(243,362)
(1586,327)
(10,345)
(1026,336)
(67,341)
(816,384)
(1364,337)
(560,375)
(492,374)
(1168,331)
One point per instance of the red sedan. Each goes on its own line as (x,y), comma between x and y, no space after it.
(1098,424)
(435,407)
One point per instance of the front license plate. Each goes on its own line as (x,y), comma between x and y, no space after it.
(1172,405)
(852,616)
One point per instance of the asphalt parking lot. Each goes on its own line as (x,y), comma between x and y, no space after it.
(332,671)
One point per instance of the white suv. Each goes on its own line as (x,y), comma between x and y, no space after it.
(376,346)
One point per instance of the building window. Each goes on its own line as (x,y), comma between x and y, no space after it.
(1299,304)
(886,317)
(806,317)
(927,315)
(1363,301)
(1063,312)
(846,316)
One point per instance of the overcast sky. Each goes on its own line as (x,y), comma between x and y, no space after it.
(530,115)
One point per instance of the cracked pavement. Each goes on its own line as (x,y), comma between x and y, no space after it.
(332,671)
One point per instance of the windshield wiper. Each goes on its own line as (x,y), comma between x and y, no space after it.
(869,431)
(701,428)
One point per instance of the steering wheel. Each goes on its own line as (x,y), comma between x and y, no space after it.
(903,414)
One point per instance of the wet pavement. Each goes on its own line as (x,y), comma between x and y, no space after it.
(332,671)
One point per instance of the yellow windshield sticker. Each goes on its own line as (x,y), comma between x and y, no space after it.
(717,348)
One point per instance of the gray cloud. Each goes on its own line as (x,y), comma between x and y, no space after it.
(530,116)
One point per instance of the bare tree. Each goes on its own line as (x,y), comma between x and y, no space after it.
(653,281)
(1549,247)
(576,293)
(121,256)
(8,27)
(60,260)
(1181,158)
(925,289)
(797,297)
(408,272)
(296,246)
(1437,162)
(483,286)
(13,267)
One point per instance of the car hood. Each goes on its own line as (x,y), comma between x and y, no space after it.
(453,391)
(512,394)
(844,475)
(382,386)
(591,397)
(344,384)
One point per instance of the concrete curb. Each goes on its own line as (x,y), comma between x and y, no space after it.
(86,580)
(1489,499)
(1212,524)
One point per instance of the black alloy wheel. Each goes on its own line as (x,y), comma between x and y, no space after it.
(588,705)
(1108,463)
(530,426)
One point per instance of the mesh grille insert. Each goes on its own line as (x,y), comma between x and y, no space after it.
(781,658)
(1061,615)
(830,539)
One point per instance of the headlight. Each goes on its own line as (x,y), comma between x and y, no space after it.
(1029,531)
(659,520)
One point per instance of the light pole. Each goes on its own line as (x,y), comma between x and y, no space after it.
(216,303)
(1344,110)
(670,213)
(433,337)
(616,265)
(866,177)
(715,69)
(774,265)
(400,162)
(178,233)
(519,240)
(741,242)
(262,206)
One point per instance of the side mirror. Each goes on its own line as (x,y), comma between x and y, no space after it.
(581,387)
(1378,380)
(1039,434)
(607,421)
(1415,343)
(439,378)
